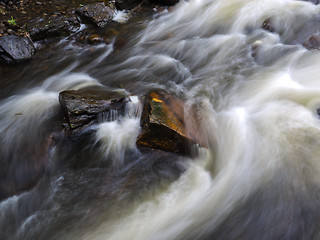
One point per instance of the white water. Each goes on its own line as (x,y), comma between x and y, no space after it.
(262,124)
(257,97)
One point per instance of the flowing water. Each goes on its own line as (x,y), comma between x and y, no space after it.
(256,95)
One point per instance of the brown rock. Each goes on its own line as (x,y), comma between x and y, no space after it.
(164,127)
(95,39)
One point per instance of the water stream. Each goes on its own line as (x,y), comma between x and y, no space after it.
(257,95)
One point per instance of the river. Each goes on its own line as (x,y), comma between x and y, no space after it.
(257,95)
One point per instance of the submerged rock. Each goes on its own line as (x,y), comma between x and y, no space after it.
(313,42)
(97,14)
(54,26)
(15,49)
(164,127)
(83,108)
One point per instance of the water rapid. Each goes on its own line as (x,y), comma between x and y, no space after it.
(256,93)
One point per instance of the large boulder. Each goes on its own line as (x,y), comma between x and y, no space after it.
(53,26)
(14,49)
(97,14)
(83,108)
(164,125)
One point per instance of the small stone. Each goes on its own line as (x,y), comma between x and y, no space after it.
(23,12)
(10,3)
(2,11)
(10,31)
(267,25)
(94,39)
(39,3)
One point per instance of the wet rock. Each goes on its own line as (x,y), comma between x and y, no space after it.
(267,25)
(164,127)
(127,4)
(83,108)
(95,39)
(97,14)
(53,26)
(165,2)
(313,42)
(15,49)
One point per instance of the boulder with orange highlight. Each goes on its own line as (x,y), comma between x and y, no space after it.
(164,125)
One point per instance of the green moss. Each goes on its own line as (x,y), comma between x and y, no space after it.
(12,21)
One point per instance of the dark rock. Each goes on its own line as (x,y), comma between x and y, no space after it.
(83,108)
(15,49)
(97,14)
(313,42)
(53,26)
(164,127)
(127,4)
(267,25)
(165,2)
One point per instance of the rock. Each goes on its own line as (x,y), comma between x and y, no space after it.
(97,14)
(313,42)
(127,4)
(267,25)
(83,108)
(53,26)
(164,127)
(95,39)
(165,2)
(14,49)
